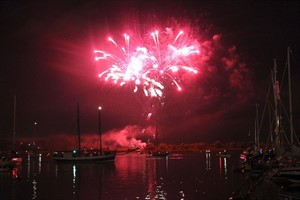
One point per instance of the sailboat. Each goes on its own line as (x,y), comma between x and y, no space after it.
(10,160)
(16,159)
(85,156)
(287,149)
(157,152)
(251,158)
(280,159)
(281,153)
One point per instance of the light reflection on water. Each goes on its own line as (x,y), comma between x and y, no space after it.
(74,179)
(156,186)
(207,159)
(223,167)
(34,187)
(40,163)
(200,175)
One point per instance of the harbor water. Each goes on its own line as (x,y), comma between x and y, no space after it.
(182,176)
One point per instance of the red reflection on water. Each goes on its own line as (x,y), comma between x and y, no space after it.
(151,168)
(14,173)
(220,166)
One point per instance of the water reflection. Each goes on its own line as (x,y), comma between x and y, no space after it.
(28,166)
(40,163)
(34,169)
(34,189)
(85,180)
(68,172)
(167,162)
(14,173)
(74,179)
(135,176)
(223,167)
(207,160)
(34,165)
(220,166)
(156,182)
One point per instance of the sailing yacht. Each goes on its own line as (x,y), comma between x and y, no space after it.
(281,155)
(158,152)
(286,148)
(14,157)
(85,156)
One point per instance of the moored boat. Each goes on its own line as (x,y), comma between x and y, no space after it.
(85,156)
(160,153)
(75,157)
(13,155)
(10,159)
(17,160)
(6,164)
(4,168)
(292,174)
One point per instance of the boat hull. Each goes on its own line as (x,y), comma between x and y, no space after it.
(6,165)
(17,160)
(291,173)
(160,154)
(83,159)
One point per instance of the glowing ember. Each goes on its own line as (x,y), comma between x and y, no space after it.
(160,59)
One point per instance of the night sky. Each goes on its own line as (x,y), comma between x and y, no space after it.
(47,61)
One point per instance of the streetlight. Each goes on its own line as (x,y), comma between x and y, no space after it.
(99,121)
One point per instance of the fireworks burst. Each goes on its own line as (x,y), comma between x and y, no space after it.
(161,59)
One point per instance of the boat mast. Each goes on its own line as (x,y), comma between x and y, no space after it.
(276,98)
(14,130)
(256,130)
(100,131)
(156,137)
(255,135)
(78,128)
(290,95)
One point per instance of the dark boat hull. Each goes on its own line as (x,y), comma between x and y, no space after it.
(86,159)
(160,154)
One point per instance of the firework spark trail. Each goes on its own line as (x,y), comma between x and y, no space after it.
(150,66)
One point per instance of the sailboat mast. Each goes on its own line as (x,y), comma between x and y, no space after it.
(14,129)
(276,98)
(78,128)
(255,135)
(257,129)
(100,131)
(156,137)
(290,95)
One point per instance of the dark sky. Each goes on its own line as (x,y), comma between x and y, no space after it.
(47,61)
